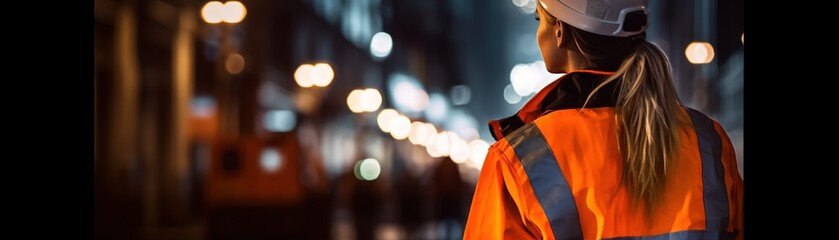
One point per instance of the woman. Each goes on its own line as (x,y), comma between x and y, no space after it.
(608,150)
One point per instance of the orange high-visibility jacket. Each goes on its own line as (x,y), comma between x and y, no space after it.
(554,173)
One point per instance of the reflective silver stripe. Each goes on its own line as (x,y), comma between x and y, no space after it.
(713,173)
(547,181)
(683,235)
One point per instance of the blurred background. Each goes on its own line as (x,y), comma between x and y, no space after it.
(336,119)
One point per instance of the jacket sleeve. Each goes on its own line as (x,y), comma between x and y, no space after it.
(737,197)
(494,213)
(735,191)
(736,194)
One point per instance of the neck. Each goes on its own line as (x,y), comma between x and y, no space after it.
(576,61)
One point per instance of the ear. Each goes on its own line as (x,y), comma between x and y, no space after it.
(564,36)
(558,34)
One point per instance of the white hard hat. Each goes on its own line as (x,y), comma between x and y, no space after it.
(619,18)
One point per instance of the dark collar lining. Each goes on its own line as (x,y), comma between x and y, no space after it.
(568,92)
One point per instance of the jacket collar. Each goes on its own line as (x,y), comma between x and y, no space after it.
(569,91)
